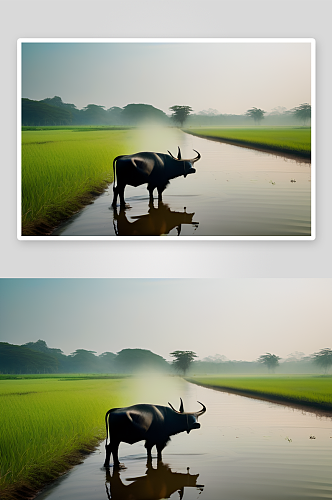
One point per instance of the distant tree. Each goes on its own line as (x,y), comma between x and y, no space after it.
(84,361)
(40,113)
(131,360)
(136,114)
(106,362)
(21,359)
(323,358)
(182,360)
(115,115)
(180,113)
(269,360)
(302,112)
(41,346)
(256,113)
(58,102)
(94,114)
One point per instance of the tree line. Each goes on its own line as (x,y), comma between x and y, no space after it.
(37,357)
(54,112)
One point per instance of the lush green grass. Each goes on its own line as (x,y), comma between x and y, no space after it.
(314,390)
(284,139)
(78,128)
(46,422)
(62,170)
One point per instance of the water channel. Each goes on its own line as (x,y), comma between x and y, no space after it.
(246,449)
(235,192)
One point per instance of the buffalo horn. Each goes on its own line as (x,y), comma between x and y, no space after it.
(203,410)
(191,160)
(172,155)
(173,407)
(181,409)
(197,157)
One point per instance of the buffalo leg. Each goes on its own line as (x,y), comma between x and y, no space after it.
(148,447)
(115,450)
(108,455)
(160,194)
(160,447)
(115,196)
(151,189)
(121,195)
(112,448)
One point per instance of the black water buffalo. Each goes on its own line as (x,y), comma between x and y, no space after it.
(152,423)
(155,169)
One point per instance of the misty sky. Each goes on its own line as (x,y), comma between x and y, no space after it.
(228,77)
(237,318)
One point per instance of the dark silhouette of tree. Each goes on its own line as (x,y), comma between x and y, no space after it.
(40,113)
(256,113)
(114,115)
(106,362)
(302,112)
(269,360)
(323,358)
(84,361)
(182,360)
(137,114)
(180,113)
(94,114)
(21,359)
(132,360)
(62,359)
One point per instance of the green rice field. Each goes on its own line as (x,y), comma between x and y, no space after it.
(63,168)
(283,139)
(47,423)
(311,390)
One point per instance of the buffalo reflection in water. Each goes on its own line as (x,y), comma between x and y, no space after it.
(156,484)
(156,222)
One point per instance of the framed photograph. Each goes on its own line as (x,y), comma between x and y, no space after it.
(193,389)
(185,138)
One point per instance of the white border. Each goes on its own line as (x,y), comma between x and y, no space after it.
(312,41)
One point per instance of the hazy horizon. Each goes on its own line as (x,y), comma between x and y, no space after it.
(227,77)
(237,318)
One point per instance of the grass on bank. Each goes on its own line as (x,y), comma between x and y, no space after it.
(310,390)
(47,423)
(62,170)
(284,139)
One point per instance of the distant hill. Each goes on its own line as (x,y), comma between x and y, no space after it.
(20,359)
(37,357)
(53,111)
(40,113)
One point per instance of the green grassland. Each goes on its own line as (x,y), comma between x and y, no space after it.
(311,390)
(282,139)
(62,170)
(48,422)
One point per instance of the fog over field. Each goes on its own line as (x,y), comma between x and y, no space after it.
(236,318)
(226,78)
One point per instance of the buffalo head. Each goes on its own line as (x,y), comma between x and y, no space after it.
(187,163)
(191,417)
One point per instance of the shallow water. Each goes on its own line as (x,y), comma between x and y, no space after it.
(245,449)
(235,191)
